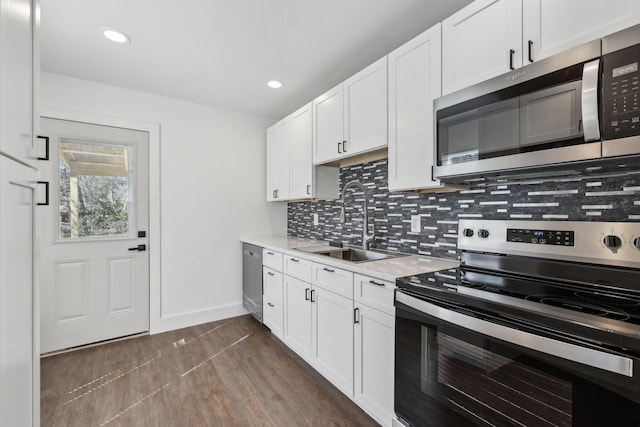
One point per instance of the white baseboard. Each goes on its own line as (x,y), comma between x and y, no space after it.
(185,320)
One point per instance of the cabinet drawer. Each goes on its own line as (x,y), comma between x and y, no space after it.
(273,316)
(272,259)
(299,268)
(333,279)
(374,292)
(272,284)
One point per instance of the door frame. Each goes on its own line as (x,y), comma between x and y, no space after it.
(153,130)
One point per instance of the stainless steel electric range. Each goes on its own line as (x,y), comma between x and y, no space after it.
(539,326)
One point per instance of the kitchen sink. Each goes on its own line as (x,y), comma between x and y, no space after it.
(350,254)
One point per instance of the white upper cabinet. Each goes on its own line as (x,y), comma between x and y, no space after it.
(301,153)
(365,109)
(328,125)
(16,79)
(414,82)
(351,118)
(552,26)
(278,161)
(291,174)
(491,37)
(481,41)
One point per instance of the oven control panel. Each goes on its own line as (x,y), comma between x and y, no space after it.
(621,93)
(541,237)
(613,243)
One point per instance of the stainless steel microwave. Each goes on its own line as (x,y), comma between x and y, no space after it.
(575,108)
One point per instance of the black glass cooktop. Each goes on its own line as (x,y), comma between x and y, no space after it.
(606,301)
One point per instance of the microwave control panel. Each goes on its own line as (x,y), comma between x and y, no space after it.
(621,93)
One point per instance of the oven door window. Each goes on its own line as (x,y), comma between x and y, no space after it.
(451,376)
(495,388)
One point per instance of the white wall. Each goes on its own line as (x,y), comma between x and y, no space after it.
(212,189)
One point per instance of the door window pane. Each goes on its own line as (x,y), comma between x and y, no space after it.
(95,190)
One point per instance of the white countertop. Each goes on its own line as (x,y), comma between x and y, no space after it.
(388,269)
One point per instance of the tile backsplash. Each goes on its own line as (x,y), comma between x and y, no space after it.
(613,198)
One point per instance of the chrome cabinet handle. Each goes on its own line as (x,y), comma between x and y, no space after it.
(306,294)
(309,189)
(530,50)
(294,260)
(313,295)
(339,152)
(373,282)
(344,146)
(270,304)
(270,273)
(511,53)
(356,315)
(270,253)
(330,270)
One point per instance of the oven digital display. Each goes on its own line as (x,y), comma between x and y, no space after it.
(541,237)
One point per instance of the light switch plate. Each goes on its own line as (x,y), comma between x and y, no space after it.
(315,219)
(415,223)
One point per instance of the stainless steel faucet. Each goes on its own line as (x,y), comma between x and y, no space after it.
(366,238)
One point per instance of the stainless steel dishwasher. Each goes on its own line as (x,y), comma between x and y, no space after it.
(252,279)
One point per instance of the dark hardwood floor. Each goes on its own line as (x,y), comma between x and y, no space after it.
(227,373)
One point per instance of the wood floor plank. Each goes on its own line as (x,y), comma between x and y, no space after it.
(227,373)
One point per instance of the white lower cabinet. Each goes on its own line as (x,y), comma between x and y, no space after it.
(297,316)
(332,328)
(342,324)
(19,336)
(374,347)
(272,311)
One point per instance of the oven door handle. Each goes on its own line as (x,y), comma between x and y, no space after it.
(586,356)
(589,100)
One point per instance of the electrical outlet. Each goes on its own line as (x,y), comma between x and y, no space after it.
(315,219)
(415,223)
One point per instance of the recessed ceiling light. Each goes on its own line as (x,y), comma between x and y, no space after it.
(274,84)
(115,36)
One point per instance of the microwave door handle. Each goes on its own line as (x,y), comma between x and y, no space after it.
(589,97)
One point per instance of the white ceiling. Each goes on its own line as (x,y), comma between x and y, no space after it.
(223,52)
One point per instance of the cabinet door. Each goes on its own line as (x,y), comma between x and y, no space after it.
(478,40)
(365,109)
(272,162)
(278,161)
(554,26)
(414,82)
(374,360)
(302,180)
(297,316)
(333,318)
(328,132)
(16,79)
(272,316)
(19,340)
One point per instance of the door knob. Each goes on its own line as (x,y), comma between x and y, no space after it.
(140,248)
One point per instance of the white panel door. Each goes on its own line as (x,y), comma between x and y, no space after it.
(365,109)
(19,372)
(478,40)
(297,316)
(301,132)
(94,265)
(414,82)
(374,363)
(328,126)
(332,326)
(552,26)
